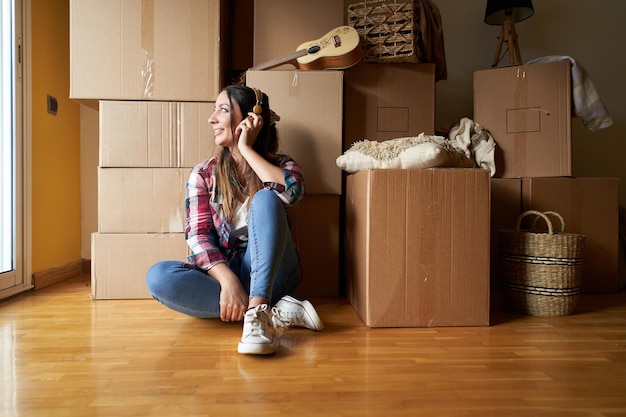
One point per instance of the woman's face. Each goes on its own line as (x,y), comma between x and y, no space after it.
(220,120)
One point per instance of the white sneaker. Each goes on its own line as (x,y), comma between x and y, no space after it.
(259,335)
(290,312)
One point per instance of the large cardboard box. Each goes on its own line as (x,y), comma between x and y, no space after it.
(119,262)
(310,104)
(417,247)
(315,228)
(528,111)
(280,26)
(387,101)
(589,206)
(147,50)
(155,133)
(141,200)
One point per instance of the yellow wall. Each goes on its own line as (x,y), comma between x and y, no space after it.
(56,220)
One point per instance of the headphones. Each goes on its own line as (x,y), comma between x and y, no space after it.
(258,109)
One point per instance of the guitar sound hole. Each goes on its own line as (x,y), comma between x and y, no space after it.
(313,49)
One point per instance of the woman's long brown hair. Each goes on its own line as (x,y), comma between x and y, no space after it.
(237,183)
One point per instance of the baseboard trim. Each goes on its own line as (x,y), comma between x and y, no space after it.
(58,274)
(86,266)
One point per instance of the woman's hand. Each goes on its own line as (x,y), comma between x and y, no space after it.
(233,302)
(233,299)
(248,130)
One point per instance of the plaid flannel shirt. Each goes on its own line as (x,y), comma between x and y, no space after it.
(206,230)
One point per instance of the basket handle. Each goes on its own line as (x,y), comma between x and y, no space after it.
(536,213)
(555,214)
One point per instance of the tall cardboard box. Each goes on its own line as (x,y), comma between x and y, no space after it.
(147,50)
(528,111)
(589,206)
(119,262)
(388,101)
(310,104)
(417,247)
(142,134)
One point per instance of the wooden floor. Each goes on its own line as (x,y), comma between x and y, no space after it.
(63,354)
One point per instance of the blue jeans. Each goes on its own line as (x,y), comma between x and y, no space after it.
(268,268)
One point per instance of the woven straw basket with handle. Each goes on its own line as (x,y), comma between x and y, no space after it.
(388,29)
(541,272)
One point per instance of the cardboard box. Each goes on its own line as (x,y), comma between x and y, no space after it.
(528,111)
(280,26)
(506,206)
(119,262)
(147,50)
(141,200)
(316,233)
(589,206)
(388,101)
(417,247)
(155,134)
(310,104)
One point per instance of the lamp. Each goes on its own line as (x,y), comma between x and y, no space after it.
(507,13)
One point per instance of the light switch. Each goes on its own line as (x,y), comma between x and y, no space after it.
(52,105)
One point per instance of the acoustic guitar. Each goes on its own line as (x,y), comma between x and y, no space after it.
(338,49)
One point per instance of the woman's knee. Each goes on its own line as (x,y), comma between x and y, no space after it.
(266,198)
(266,206)
(160,273)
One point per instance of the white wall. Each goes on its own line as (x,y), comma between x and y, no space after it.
(593,33)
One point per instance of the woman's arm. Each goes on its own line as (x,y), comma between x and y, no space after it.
(245,135)
(200,232)
(286,179)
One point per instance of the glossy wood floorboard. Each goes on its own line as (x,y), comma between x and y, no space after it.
(63,354)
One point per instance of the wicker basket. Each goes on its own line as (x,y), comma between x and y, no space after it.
(389,30)
(541,272)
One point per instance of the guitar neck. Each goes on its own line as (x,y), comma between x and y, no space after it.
(285,59)
(339,48)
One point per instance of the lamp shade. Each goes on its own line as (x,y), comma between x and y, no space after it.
(498,10)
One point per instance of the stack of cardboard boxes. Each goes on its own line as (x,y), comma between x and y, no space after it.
(416,241)
(151,68)
(528,110)
(310,104)
(323,112)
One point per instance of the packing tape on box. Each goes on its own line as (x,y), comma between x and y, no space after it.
(147,46)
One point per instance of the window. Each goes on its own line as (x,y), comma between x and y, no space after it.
(12,278)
